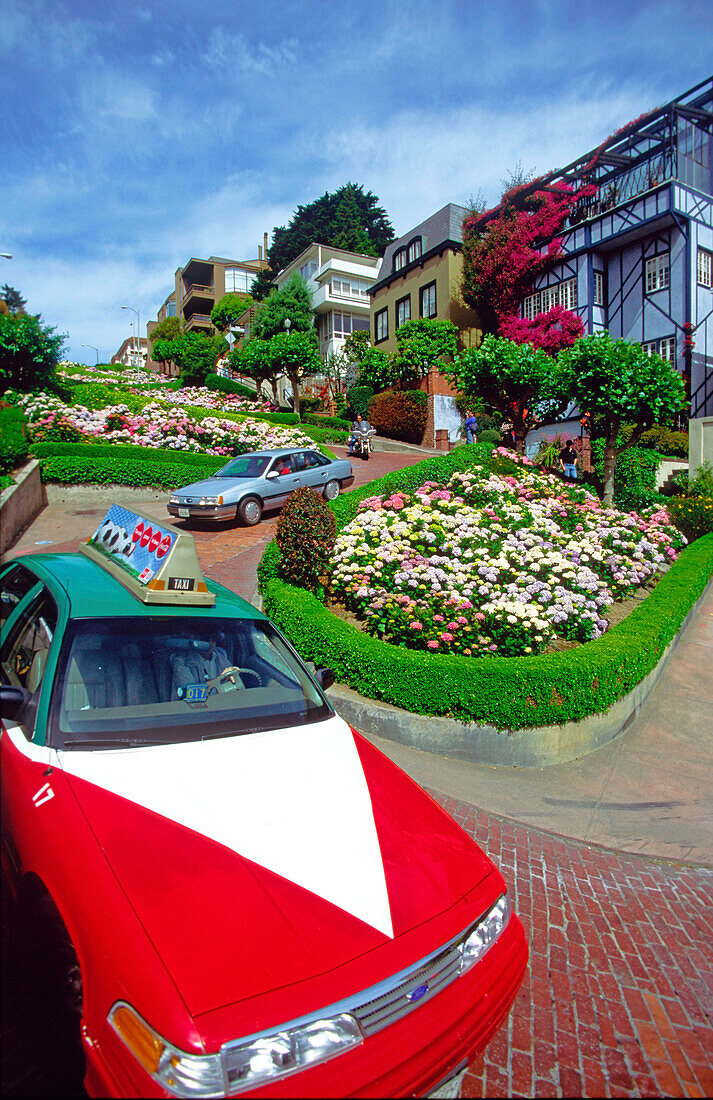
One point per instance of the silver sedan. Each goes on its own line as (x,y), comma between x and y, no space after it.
(260,481)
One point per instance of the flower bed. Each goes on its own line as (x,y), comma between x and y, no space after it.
(491,563)
(506,692)
(49,418)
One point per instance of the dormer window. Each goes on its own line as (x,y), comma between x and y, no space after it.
(399,259)
(414,250)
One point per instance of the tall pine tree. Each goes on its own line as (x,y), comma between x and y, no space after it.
(348,218)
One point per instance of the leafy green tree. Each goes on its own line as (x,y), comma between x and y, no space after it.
(294,302)
(349,218)
(262,284)
(522,383)
(422,344)
(616,382)
(377,369)
(13,299)
(225,313)
(296,355)
(195,355)
(168,329)
(255,361)
(29,353)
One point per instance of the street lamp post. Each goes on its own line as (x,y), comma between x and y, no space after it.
(138,338)
(288,326)
(93,349)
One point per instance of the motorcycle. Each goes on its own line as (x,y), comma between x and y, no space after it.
(364,443)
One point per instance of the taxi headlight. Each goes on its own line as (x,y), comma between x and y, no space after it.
(239,1066)
(485,933)
(210,500)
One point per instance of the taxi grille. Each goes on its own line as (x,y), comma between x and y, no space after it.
(394,1003)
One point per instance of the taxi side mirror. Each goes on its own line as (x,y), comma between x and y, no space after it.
(13,700)
(324,677)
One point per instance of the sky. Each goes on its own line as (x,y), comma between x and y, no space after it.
(136,135)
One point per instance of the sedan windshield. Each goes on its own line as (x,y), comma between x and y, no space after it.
(162,680)
(245,466)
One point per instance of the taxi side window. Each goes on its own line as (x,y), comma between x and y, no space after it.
(15,583)
(24,653)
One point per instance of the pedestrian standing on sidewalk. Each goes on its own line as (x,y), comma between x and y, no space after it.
(568,460)
(471,427)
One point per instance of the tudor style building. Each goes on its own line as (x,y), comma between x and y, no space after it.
(638,254)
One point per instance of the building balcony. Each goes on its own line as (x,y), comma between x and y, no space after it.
(198,291)
(199,322)
(324,296)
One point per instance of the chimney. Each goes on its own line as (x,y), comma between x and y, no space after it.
(259,252)
(265,240)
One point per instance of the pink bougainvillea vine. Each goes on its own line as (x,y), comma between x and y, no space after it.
(506,253)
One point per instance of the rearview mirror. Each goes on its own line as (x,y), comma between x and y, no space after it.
(324,677)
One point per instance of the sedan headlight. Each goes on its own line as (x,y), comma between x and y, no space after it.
(485,933)
(175,500)
(240,1065)
(210,500)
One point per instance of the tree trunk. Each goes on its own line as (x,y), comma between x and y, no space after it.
(609,467)
(295,394)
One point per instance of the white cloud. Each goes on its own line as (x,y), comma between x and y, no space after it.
(235,52)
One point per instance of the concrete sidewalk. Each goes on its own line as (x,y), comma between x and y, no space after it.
(650,792)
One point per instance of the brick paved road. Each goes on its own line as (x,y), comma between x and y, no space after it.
(618,999)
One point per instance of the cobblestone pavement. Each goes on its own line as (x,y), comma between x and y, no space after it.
(618,997)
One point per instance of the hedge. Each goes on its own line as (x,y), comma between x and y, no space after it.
(111,452)
(328,422)
(228,385)
(13,443)
(507,692)
(74,470)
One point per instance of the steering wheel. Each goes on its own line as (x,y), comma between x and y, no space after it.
(230,679)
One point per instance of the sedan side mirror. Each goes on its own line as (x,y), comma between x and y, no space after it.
(271,474)
(13,700)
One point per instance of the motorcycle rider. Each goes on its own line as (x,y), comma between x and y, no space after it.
(358,427)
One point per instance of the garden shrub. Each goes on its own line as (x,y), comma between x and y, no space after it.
(328,422)
(692,515)
(13,442)
(306,531)
(112,451)
(399,414)
(489,435)
(634,476)
(98,395)
(660,439)
(358,398)
(228,385)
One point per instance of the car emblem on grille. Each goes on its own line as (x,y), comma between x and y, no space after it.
(417,993)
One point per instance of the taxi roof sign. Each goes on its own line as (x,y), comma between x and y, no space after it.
(158,565)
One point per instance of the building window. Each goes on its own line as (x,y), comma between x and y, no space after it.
(308,270)
(598,288)
(171,308)
(381,325)
(403,311)
(341,324)
(399,259)
(666,348)
(705,267)
(657,272)
(414,250)
(238,280)
(428,300)
(349,288)
(561,294)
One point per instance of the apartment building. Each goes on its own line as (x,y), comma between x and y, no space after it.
(421,276)
(126,355)
(638,254)
(340,282)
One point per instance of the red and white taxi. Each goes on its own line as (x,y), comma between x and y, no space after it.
(240,894)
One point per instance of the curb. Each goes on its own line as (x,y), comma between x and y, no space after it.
(534,747)
(20,504)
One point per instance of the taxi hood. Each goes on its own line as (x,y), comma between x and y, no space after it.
(258,861)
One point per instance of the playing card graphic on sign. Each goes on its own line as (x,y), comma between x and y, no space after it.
(136,544)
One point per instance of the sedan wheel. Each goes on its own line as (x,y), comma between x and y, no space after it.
(249,511)
(331,490)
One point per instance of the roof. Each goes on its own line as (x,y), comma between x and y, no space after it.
(443,228)
(332,249)
(94,593)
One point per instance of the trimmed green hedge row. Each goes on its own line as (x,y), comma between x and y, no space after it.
(329,422)
(74,470)
(13,442)
(111,452)
(507,692)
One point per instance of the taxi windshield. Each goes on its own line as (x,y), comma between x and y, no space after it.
(167,680)
(245,466)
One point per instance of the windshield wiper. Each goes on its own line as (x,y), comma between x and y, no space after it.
(112,742)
